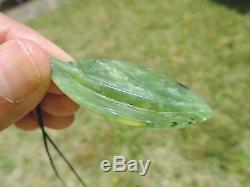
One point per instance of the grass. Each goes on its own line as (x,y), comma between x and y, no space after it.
(200,43)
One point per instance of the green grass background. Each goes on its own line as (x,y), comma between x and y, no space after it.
(198,42)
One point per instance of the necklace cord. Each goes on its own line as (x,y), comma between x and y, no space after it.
(47,139)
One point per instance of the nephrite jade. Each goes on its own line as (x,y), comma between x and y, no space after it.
(129,94)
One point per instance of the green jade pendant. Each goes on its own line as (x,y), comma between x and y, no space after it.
(129,94)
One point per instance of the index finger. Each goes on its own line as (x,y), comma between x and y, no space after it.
(11,29)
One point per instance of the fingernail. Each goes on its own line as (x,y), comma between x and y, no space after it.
(19,75)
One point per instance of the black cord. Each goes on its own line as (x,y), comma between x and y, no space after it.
(45,141)
(47,138)
(66,161)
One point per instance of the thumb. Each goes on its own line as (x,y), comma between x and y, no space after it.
(24,79)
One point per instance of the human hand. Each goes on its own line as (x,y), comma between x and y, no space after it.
(25,79)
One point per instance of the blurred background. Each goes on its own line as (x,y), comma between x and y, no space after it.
(202,43)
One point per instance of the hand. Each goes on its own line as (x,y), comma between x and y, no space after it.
(25,79)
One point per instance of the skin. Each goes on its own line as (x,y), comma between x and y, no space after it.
(25,79)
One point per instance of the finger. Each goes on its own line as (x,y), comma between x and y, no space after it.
(3,33)
(55,122)
(11,29)
(28,122)
(24,79)
(15,30)
(54,89)
(58,105)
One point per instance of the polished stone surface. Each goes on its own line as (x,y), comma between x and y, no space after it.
(129,94)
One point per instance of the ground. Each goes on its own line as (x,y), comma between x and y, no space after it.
(203,44)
